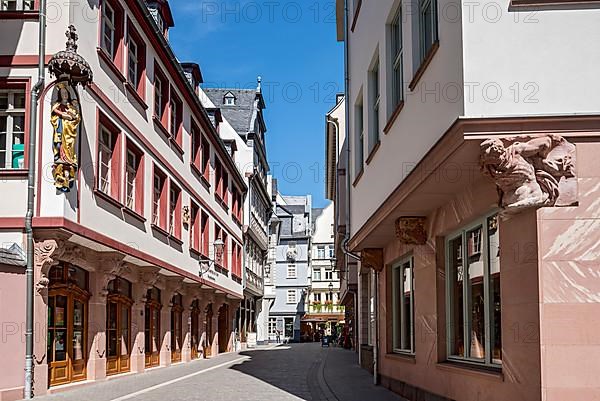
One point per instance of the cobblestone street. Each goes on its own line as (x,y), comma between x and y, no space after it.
(287,372)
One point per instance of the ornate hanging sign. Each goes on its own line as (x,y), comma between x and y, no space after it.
(531,171)
(70,69)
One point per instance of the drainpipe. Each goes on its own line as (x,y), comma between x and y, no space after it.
(376,342)
(35,91)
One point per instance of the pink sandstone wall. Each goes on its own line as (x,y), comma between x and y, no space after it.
(569,257)
(520,380)
(12,344)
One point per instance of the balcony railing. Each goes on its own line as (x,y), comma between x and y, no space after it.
(325,309)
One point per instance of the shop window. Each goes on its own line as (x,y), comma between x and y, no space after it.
(403,284)
(12,128)
(118,326)
(152,334)
(473,294)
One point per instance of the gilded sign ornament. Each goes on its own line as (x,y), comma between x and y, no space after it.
(531,171)
(411,230)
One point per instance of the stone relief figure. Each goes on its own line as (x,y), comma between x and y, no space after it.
(531,171)
(65,121)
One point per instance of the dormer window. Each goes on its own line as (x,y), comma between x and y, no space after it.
(161,13)
(229,99)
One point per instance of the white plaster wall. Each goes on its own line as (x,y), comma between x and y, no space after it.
(426,114)
(530,62)
(322,227)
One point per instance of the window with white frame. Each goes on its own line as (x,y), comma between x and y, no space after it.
(108,29)
(403,286)
(321,252)
(272,326)
(105,152)
(473,294)
(291,296)
(291,271)
(397,61)
(331,250)
(359,138)
(159,182)
(317,297)
(428,27)
(329,296)
(17,5)
(375,96)
(12,129)
(316,274)
(229,99)
(328,274)
(133,62)
(130,179)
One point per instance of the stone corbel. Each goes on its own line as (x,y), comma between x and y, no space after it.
(531,171)
(47,254)
(372,258)
(113,267)
(411,230)
(148,278)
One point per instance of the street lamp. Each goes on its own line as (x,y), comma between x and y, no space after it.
(206,263)
(331,290)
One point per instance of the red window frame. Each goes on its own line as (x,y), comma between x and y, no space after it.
(195,218)
(163,117)
(196,146)
(119,21)
(225,193)
(175,117)
(218,178)
(140,87)
(219,234)
(115,160)
(234,260)
(205,167)
(225,251)
(174,210)
(138,205)
(204,232)
(161,222)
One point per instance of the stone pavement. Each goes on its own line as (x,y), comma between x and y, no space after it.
(287,372)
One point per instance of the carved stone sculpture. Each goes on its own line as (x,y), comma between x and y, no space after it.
(411,230)
(372,258)
(531,171)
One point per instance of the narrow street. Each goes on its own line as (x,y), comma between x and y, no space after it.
(287,372)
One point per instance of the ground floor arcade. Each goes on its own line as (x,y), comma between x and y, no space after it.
(97,314)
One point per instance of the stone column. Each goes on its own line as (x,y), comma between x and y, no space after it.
(96,364)
(186,324)
(205,299)
(138,325)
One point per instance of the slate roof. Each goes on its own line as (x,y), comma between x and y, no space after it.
(316,212)
(240,115)
(13,256)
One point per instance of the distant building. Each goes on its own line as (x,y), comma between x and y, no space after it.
(243,129)
(290,274)
(323,302)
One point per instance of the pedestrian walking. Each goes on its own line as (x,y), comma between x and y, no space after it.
(278,336)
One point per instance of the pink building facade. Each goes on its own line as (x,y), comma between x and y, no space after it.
(128,273)
(474,216)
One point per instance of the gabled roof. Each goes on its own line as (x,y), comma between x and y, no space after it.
(12,256)
(239,115)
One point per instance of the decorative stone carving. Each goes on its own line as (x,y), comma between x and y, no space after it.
(292,254)
(68,64)
(411,230)
(186,216)
(46,255)
(372,258)
(531,171)
(114,267)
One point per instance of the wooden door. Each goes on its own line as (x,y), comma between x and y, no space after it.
(176,333)
(118,335)
(195,329)
(67,336)
(152,334)
(223,328)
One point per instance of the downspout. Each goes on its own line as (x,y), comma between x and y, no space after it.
(35,92)
(376,340)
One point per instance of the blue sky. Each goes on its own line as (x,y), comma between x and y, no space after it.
(292,45)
